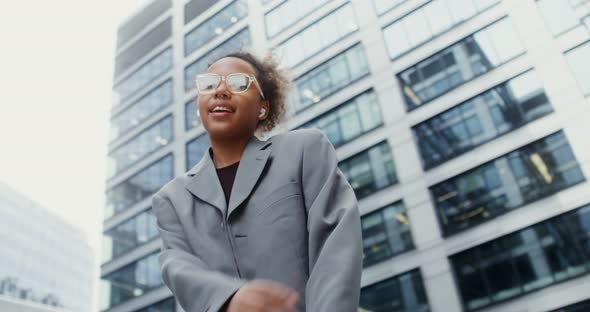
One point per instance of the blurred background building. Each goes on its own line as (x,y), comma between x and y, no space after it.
(461,124)
(42,258)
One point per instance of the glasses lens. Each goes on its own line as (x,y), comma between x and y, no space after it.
(208,83)
(237,82)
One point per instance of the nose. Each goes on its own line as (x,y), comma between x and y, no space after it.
(222,90)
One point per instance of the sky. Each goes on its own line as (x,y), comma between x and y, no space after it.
(56,67)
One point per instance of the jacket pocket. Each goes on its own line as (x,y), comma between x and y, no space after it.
(283,192)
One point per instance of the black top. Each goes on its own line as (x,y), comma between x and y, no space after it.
(227,176)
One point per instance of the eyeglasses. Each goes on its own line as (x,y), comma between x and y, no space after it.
(236,83)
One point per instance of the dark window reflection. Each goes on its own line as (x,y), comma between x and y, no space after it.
(532,172)
(350,120)
(167,305)
(131,281)
(582,306)
(191,120)
(195,150)
(370,171)
(535,257)
(132,233)
(139,187)
(481,119)
(386,233)
(402,293)
(459,63)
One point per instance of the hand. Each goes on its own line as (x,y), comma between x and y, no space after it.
(263,296)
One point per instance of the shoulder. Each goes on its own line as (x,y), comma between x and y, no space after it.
(171,189)
(301,137)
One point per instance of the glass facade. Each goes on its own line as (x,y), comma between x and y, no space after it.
(191,120)
(469,58)
(153,102)
(195,150)
(559,15)
(167,305)
(330,77)
(318,36)
(151,70)
(350,120)
(532,172)
(128,235)
(145,143)
(239,40)
(131,281)
(481,119)
(582,306)
(386,233)
(140,186)
(578,61)
(429,21)
(382,6)
(370,170)
(215,26)
(288,13)
(401,293)
(538,256)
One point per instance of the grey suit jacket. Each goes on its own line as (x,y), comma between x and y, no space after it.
(292,218)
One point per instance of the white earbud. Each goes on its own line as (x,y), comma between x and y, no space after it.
(262,112)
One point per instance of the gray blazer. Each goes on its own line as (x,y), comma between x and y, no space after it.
(292,218)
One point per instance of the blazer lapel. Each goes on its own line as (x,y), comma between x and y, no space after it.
(205,184)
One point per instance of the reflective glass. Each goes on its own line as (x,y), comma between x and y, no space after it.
(168,305)
(350,120)
(459,63)
(153,102)
(329,77)
(145,143)
(215,26)
(382,6)
(288,13)
(298,48)
(530,173)
(582,306)
(370,170)
(521,262)
(132,233)
(495,112)
(427,22)
(191,120)
(559,15)
(578,61)
(195,150)
(401,293)
(139,187)
(148,72)
(238,41)
(386,233)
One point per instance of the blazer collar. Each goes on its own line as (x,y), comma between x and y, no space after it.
(204,183)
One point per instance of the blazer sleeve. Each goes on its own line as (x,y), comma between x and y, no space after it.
(335,240)
(195,287)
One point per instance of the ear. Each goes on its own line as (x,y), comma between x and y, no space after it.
(266,105)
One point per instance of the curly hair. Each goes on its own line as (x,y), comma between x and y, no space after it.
(273,81)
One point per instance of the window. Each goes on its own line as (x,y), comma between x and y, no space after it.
(215,26)
(483,118)
(326,79)
(559,15)
(427,22)
(195,150)
(577,307)
(318,36)
(386,233)
(139,187)
(239,40)
(532,172)
(535,257)
(401,293)
(130,234)
(139,111)
(370,170)
(349,121)
(131,281)
(148,72)
(191,120)
(382,6)
(147,142)
(578,61)
(288,13)
(459,63)
(167,305)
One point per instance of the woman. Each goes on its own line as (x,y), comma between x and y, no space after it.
(285,236)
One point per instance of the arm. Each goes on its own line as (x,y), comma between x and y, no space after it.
(195,287)
(335,244)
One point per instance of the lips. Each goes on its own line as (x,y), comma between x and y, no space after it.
(221,108)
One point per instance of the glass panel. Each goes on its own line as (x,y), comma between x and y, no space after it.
(288,13)
(559,15)
(128,235)
(402,293)
(578,61)
(168,305)
(382,6)
(532,172)
(191,120)
(195,150)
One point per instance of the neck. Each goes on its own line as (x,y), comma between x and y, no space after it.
(226,152)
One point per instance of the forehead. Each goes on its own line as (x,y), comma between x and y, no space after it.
(230,65)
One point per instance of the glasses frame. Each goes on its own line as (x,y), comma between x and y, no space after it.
(251,79)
